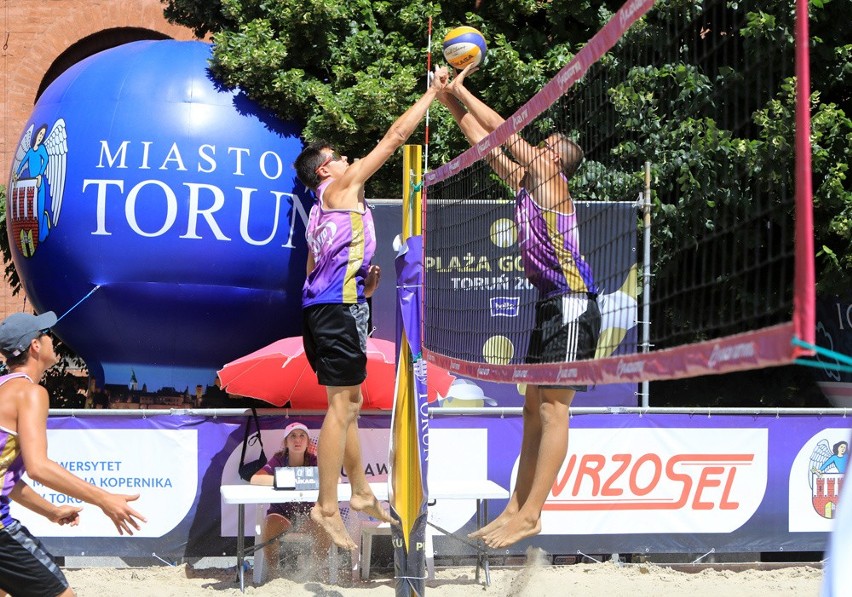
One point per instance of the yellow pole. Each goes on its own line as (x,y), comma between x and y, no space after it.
(412,174)
(407,493)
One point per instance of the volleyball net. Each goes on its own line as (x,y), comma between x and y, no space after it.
(693,216)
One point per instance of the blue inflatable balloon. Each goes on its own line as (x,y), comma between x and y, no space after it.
(163,211)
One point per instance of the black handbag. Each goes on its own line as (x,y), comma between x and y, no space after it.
(248,469)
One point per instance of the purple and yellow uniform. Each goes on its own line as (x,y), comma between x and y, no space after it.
(12,468)
(26,567)
(11,463)
(567,316)
(342,242)
(550,249)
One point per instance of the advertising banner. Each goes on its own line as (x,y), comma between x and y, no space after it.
(409,450)
(177,465)
(631,483)
(650,483)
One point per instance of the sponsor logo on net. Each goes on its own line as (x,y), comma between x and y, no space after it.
(567,374)
(631,9)
(735,352)
(483,146)
(455,164)
(563,78)
(626,368)
(520,373)
(519,118)
(483,371)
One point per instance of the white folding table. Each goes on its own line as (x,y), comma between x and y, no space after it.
(261,495)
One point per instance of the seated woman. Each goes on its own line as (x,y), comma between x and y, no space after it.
(281,517)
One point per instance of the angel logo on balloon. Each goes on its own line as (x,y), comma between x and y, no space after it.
(37,185)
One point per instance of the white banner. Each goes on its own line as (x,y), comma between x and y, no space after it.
(160,465)
(657,481)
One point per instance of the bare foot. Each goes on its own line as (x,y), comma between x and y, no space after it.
(333,525)
(512,531)
(495,524)
(368,504)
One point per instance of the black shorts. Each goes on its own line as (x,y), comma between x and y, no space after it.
(566,329)
(26,568)
(335,338)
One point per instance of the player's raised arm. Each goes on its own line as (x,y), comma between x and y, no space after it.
(523,152)
(474,132)
(398,133)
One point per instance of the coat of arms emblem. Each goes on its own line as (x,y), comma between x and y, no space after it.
(37,185)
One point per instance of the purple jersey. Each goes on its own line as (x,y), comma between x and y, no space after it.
(11,462)
(279,460)
(550,248)
(342,242)
(288,510)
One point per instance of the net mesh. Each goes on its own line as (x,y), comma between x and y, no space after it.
(678,103)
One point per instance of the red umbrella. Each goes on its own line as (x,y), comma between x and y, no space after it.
(280,373)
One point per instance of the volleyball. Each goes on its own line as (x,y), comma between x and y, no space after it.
(463,46)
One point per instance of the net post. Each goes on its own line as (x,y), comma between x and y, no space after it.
(407,479)
(428,83)
(646,277)
(804,297)
(412,173)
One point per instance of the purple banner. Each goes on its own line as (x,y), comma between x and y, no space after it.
(411,415)
(673,483)
(409,276)
(631,483)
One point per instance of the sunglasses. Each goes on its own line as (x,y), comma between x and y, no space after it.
(334,157)
(543,144)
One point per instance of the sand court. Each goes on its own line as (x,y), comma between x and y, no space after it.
(532,580)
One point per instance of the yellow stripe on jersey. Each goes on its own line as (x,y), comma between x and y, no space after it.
(568,266)
(356,258)
(9,453)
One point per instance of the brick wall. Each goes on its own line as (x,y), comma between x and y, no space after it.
(35,35)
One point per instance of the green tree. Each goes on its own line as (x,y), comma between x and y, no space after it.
(347,69)
(723,155)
